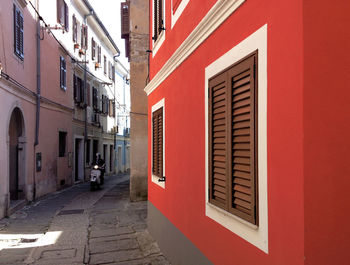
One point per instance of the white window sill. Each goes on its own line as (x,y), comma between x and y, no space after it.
(159,183)
(158,43)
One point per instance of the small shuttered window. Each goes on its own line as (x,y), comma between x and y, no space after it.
(125,20)
(78,89)
(18,31)
(63,73)
(95,99)
(84,37)
(75,29)
(233,139)
(93,49)
(99,54)
(158,18)
(63,14)
(157,139)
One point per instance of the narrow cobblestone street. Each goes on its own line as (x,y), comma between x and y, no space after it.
(77,226)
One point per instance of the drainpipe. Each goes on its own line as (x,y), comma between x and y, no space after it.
(38,88)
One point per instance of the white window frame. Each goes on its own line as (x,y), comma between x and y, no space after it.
(256,235)
(175,16)
(155,107)
(161,38)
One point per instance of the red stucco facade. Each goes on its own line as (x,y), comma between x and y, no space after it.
(308,71)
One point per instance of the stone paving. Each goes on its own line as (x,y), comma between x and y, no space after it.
(76,226)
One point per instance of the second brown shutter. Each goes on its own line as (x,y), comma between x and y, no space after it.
(243,142)
(157,149)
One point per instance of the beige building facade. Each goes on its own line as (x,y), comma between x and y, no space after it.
(57,97)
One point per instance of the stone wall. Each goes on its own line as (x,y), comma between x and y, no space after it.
(139,39)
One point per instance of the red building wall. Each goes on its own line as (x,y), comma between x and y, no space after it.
(327,127)
(183,199)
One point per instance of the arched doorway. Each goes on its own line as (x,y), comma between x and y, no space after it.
(16,155)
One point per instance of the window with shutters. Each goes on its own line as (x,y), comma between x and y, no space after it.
(78,90)
(158,143)
(75,29)
(18,32)
(158,34)
(84,37)
(233,140)
(236,140)
(63,74)
(63,14)
(93,49)
(95,99)
(104,64)
(99,54)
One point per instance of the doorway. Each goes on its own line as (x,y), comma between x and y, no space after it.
(16,156)
(111,158)
(79,159)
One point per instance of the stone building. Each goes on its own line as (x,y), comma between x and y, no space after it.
(135,30)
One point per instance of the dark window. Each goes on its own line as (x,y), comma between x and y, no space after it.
(63,73)
(78,89)
(158,18)
(157,137)
(62,138)
(233,139)
(18,31)
(63,14)
(95,99)
(88,143)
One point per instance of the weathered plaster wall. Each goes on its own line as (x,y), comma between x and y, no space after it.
(138,115)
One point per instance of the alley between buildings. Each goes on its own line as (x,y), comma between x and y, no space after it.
(76,226)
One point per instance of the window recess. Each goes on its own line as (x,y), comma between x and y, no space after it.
(18,32)
(233,139)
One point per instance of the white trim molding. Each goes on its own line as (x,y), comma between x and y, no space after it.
(175,15)
(157,106)
(213,19)
(256,235)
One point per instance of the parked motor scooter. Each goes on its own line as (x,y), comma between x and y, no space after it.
(96,177)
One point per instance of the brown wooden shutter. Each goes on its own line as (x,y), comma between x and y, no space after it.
(157,152)
(155,19)
(218,164)
(125,21)
(244,139)
(160,16)
(66,17)
(75,30)
(21,37)
(93,49)
(60,12)
(233,139)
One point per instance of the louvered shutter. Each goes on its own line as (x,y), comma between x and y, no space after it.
(93,49)
(86,37)
(218,164)
(74,31)
(244,139)
(160,16)
(66,17)
(99,54)
(155,20)
(21,37)
(124,20)
(157,137)
(60,12)
(15,30)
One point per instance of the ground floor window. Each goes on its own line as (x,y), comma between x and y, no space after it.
(62,139)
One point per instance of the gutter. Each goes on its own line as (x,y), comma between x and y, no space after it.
(93,13)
